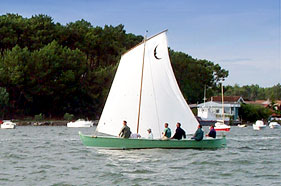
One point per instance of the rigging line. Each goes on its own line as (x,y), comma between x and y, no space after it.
(222,101)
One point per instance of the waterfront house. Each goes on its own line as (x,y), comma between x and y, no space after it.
(212,109)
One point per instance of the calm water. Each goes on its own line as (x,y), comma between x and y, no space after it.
(55,156)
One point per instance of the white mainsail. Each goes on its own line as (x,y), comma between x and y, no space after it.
(161,101)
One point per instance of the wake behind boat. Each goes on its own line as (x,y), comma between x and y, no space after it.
(145,93)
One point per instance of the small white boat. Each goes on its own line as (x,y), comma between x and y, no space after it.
(8,125)
(221,126)
(274,125)
(259,125)
(80,123)
(242,125)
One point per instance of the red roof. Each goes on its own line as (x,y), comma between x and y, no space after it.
(226,98)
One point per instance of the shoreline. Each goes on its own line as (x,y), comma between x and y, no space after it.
(45,123)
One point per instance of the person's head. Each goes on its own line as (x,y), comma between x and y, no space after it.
(200,126)
(166,125)
(212,126)
(178,125)
(149,131)
(124,122)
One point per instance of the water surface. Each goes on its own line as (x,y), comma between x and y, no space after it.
(55,156)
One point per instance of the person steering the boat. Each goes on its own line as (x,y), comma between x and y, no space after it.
(167,132)
(199,134)
(125,131)
(212,132)
(179,132)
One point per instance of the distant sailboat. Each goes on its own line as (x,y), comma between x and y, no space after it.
(220,125)
(145,93)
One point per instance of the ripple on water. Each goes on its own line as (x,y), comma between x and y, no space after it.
(56,156)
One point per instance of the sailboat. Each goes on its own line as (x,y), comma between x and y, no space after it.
(220,125)
(145,93)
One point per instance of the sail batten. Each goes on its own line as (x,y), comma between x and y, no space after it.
(161,101)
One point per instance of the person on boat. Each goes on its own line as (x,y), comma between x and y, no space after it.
(135,136)
(179,132)
(212,132)
(167,132)
(149,135)
(199,134)
(125,131)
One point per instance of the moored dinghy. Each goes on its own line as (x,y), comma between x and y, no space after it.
(242,125)
(145,93)
(274,125)
(8,125)
(80,123)
(259,125)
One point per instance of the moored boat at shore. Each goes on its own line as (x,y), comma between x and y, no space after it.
(259,125)
(274,125)
(8,125)
(242,125)
(80,123)
(221,126)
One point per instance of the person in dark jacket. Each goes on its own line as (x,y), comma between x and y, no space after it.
(212,132)
(199,134)
(125,131)
(179,132)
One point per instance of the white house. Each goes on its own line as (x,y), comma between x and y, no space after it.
(212,110)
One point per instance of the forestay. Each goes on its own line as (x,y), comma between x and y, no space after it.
(161,101)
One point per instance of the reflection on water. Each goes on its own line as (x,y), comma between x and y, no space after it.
(56,156)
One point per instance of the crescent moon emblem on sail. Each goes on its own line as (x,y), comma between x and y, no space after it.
(155,53)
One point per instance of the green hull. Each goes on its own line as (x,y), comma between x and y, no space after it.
(121,143)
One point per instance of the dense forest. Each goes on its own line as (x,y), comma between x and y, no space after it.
(255,92)
(50,68)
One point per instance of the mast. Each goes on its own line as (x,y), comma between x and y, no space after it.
(138,122)
(222,102)
(204,99)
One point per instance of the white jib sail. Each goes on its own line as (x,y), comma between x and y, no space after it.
(161,102)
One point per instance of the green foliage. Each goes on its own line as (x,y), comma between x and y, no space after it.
(53,69)
(4,100)
(68,116)
(254,92)
(252,113)
(194,111)
(193,74)
(39,117)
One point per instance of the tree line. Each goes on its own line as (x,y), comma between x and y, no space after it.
(254,92)
(50,68)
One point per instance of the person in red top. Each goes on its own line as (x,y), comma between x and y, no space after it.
(212,132)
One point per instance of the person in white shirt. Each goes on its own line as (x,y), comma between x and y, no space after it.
(149,135)
(135,136)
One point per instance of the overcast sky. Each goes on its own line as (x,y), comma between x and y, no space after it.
(242,36)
